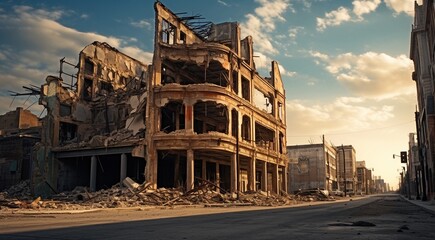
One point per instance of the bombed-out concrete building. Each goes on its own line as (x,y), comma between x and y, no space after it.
(312,166)
(20,130)
(200,110)
(94,128)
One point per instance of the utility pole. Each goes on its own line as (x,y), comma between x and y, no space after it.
(344,169)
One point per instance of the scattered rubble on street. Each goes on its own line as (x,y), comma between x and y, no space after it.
(133,194)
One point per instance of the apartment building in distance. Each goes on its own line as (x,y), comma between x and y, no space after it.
(200,110)
(312,166)
(347,168)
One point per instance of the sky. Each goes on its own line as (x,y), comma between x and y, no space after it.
(345,64)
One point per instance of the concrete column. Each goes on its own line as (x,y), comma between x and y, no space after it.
(151,167)
(190,177)
(275,180)
(251,175)
(264,177)
(123,173)
(234,172)
(93,178)
(188,117)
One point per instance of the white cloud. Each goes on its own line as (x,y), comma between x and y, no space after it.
(262,23)
(223,3)
(399,6)
(293,32)
(372,75)
(333,18)
(341,115)
(33,42)
(343,14)
(361,7)
(142,24)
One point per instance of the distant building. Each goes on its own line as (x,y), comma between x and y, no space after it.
(347,168)
(19,131)
(312,166)
(363,179)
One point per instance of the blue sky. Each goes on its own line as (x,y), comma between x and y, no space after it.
(345,64)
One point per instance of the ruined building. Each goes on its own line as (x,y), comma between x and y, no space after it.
(422,49)
(201,110)
(312,166)
(19,131)
(346,161)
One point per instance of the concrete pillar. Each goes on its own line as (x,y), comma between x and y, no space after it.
(151,167)
(123,173)
(251,175)
(264,177)
(204,169)
(234,172)
(93,177)
(275,180)
(190,177)
(188,118)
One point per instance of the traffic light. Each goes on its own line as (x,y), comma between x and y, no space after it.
(403,157)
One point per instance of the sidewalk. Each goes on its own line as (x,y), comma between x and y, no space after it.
(428,205)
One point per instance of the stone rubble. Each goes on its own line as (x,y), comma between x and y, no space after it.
(135,195)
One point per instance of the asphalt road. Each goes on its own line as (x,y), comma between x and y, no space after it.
(376,217)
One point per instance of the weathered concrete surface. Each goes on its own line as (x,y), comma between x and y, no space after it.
(393,217)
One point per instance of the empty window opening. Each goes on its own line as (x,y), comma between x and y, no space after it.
(172,117)
(225,177)
(171,169)
(99,70)
(168,76)
(106,88)
(210,116)
(182,37)
(168,32)
(67,132)
(89,67)
(246,128)
(234,123)
(87,89)
(281,142)
(185,73)
(263,101)
(264,137)
(246,89)
(236,82)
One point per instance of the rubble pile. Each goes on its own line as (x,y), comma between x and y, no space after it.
(313,195)
(134,195)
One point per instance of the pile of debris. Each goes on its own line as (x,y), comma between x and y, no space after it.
(313,195)
(133,194)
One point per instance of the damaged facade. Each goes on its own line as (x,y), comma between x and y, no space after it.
(312,166)
(94,129)
(201,110)
(19,131)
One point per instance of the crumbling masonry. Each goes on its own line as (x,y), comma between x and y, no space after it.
(201,110)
